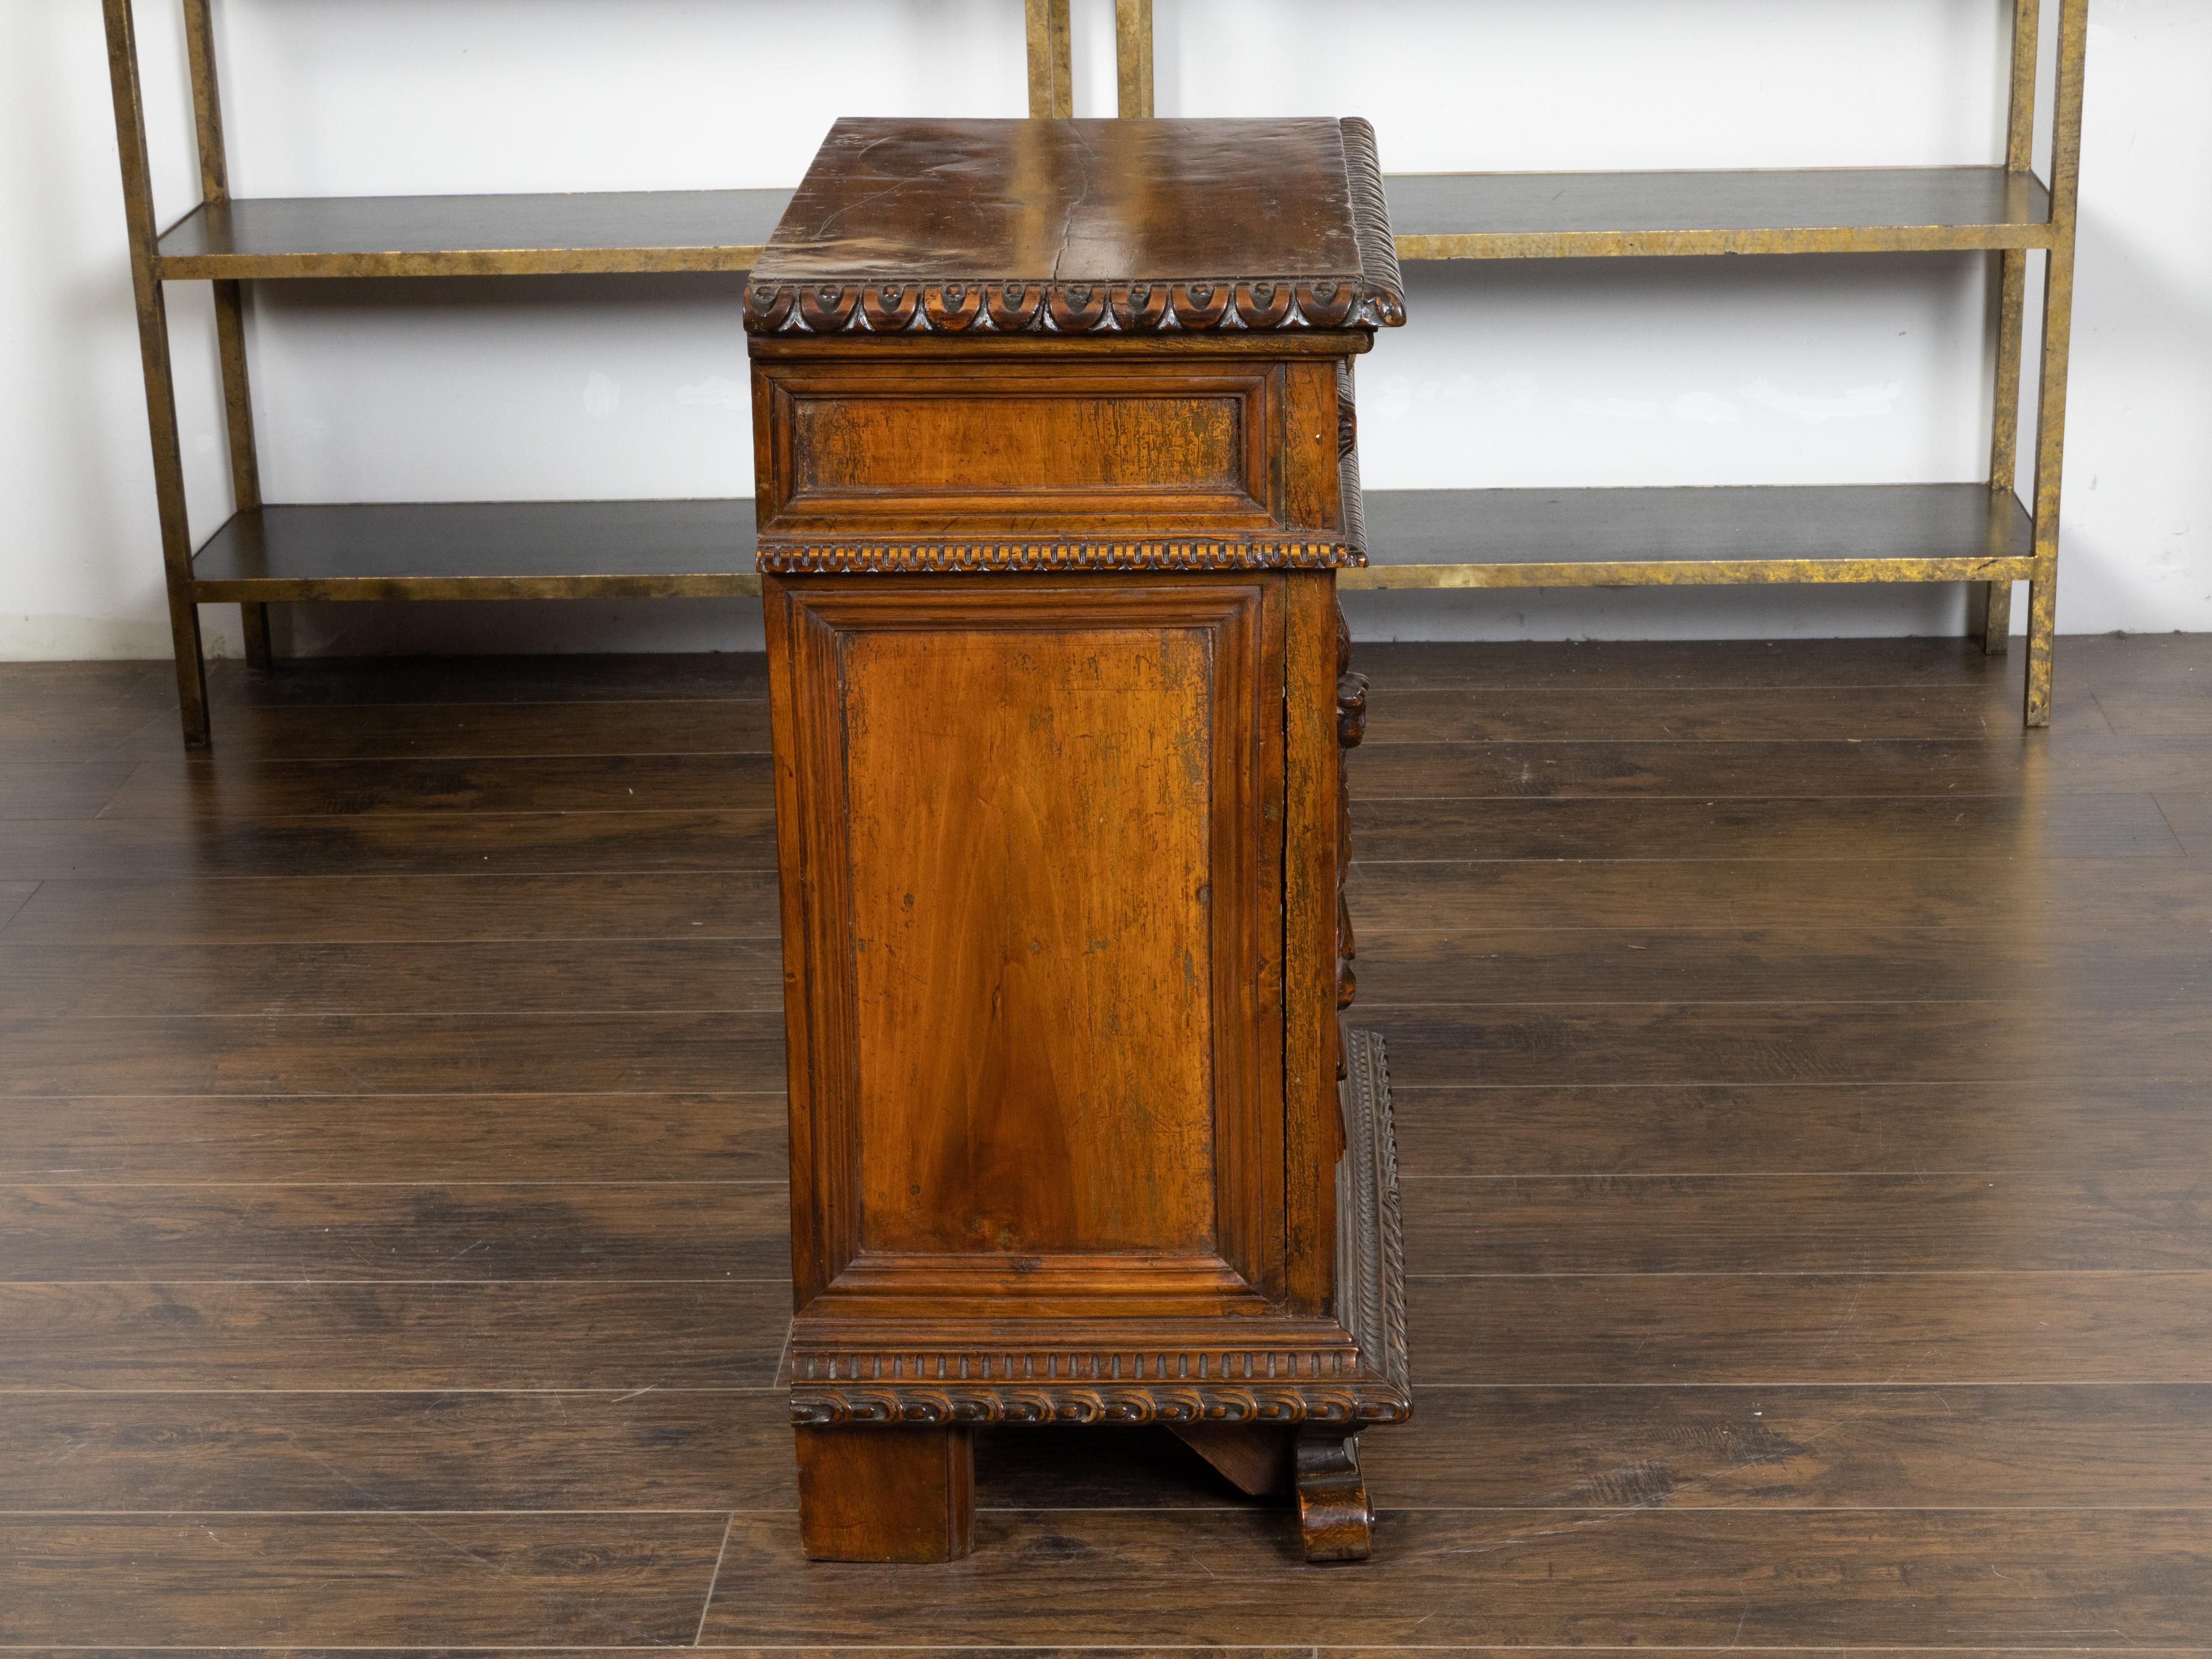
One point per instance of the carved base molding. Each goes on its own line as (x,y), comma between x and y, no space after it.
(1352,1373)
(1286,1385)
(816,1406)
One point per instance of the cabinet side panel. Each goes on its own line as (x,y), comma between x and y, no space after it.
(1029,874)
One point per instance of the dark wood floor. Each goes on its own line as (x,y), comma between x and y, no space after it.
(1801,1081)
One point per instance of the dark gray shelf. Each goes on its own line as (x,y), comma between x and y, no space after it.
(1525,215)
(473,235)
(1657,537)
(481,550)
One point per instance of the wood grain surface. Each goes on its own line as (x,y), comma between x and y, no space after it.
(1089,1127)
(1804,1168)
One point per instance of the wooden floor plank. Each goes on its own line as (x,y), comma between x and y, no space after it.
(2160,709)
(168,786)
(142,1336)
(437,844)
(1698,666)
(1306,1651)
(413,731)
(1978,826)
(72,732)
(1795,1042)
(1618,1578)
(224,1230)
(2004,954)
(396,909)
(1768,1329)
(398,1138)
(706,1451)
(1959,1447)
(582,677)
(2171,664)
(1401,712)
(38,688)
(395,1053)
(1117,1651)
(2030,763)
(2190,817)
(1425,1651)
(1847,893)
(508,976)
(370,1580)
(1801,1128)
(2151,1220)
(65,790)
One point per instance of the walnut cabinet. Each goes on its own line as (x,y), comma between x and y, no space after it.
(1057,466)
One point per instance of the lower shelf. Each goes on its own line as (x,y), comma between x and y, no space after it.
(481,550)
(1415,538)
(1658,537)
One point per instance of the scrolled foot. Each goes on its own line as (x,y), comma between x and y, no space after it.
(1335,1517)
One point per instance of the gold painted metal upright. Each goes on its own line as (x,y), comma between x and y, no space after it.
(267,553)
(1983,534)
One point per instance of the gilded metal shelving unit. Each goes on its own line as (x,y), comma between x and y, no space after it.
(1982,533)
(269,553)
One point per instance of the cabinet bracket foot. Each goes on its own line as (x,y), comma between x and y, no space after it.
(1336,1519)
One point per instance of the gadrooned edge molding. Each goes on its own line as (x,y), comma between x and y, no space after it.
(859,558)
(1371,215)
(984,305)
(1374,1301)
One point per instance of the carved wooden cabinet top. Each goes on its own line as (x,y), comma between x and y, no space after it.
(1082,226)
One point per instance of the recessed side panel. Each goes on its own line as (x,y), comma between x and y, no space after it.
(1029,875)
(1019,448)
(1039,849)
(850,447)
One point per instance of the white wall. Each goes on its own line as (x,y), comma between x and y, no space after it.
(1749,371)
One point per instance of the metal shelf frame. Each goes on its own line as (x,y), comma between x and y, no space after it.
(265,553)
(2005,210)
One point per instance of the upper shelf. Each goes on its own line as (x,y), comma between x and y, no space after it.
(1436,215)
(1551,215)
(472,235)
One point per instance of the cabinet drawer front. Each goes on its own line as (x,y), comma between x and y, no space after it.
(876,450)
